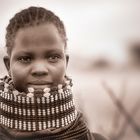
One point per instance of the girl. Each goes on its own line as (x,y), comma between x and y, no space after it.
(36,101)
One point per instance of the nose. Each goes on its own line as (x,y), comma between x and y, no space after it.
(39,69)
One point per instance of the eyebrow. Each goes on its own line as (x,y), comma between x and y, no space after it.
(24,52)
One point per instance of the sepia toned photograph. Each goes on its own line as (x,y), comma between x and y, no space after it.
(69,70)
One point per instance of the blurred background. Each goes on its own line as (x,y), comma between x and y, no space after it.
(104,49)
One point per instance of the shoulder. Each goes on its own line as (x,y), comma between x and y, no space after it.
(98,136)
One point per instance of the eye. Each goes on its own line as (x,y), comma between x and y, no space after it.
(54,58)
(24,59)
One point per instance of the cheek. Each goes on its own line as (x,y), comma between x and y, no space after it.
(18,76)
(59,73)
(16,71)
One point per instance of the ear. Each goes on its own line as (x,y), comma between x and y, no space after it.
(6,60)
(67,59)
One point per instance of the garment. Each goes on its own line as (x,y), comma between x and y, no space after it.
(70,124)
(76,131)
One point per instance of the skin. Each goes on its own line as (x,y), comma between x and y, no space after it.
(38,58)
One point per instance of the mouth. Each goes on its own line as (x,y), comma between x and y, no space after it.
(40,84)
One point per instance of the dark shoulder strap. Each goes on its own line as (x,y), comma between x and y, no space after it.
(98,136)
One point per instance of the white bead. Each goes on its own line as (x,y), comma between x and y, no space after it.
(60,86)
(24,125)
(30,89)
(67,106)
(11,123)
(29,126)
(39,112)
(16,124)
(75,113)
(28,100)
(8,96)
(40,125)
(24,112)
(11,109)
(60,91)
(19,99)
(68,87)
(20,112)
(15,110)
(71,117)
(3,94)
(4,106)
(46,95)
(6,85)
(57,110)
(33,112)
(48,111)
(46,90)
(5,121)
(52,110)
(44,112)
(20,125)
(15,98)
(38,100)
(52,99)
(8,122)
(67,82)
(47,100)
(2,120)
(53,123)
(57,123)
(44,125)
(5,90)
(49,124)
(28,112)
(63,123)
(30,95)
(34,126)
(43,100)
(15,92)
(68,118)
(64,107)
(32,100)
(7,108)
(56,97)
(61,108)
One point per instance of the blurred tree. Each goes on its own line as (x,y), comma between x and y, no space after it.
(134,54)
(101,63)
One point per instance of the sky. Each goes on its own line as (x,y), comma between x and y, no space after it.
(94,27)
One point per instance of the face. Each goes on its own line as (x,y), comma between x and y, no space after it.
(38,58)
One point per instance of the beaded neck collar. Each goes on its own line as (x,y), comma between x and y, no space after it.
(36,110)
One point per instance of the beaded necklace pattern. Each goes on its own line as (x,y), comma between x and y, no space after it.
(36,110)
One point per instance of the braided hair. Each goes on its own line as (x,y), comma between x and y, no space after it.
(30,17)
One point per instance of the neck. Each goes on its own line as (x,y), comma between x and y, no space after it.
(53,108)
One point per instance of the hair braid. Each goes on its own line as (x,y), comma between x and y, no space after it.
(29,17)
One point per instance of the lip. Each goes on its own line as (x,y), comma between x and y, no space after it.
(40,84)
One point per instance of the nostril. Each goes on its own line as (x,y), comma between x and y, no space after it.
(39,69)
(39,73)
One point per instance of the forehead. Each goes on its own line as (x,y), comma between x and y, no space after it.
(39,35)
(43,33)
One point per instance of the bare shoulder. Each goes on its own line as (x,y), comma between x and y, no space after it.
(99,136)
